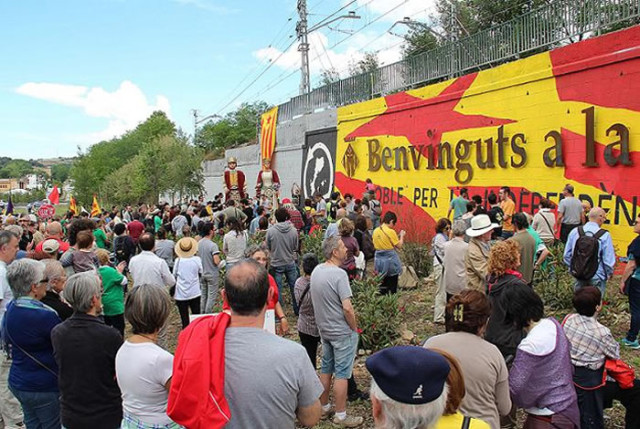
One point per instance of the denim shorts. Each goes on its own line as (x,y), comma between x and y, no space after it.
(338,356)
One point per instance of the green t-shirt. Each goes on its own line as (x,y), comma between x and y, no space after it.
(101,238)
(157,222)
(113,295)
(459,206)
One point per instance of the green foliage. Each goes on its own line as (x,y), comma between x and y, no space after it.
(28,197)
(237,127)
(60,173)
(367,64)
(554,283)
(16,168)
(417,256)
(92,168)
(378,315)
(312,243)
(329,76)
(165,164)
(419,41)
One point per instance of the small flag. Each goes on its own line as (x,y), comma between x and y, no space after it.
(9,209)
(73,206)
(54,196)
(95,207)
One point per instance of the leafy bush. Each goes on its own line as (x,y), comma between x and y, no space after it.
(378,315)
(417,256)
(554,283)
(312,243)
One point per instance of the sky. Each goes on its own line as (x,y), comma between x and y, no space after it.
(77,72)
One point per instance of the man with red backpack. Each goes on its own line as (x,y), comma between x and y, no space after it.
(589,252)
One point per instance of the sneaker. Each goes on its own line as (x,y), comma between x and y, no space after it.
(631,344)
(328,413)
(348,422)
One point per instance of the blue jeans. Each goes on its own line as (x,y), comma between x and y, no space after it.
(41,409)
(634,309)
(291,273)
(599,283)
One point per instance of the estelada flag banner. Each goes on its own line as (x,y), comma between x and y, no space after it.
(95,207)
(268,122)
(73,206)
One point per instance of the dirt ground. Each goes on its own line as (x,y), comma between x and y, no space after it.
(417,319)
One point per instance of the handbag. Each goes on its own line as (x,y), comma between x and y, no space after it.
(621,372)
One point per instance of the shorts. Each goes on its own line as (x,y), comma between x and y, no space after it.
(338,356)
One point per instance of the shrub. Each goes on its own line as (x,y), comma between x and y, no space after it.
(378,315)
(554,283)
(417,256)
(312,243)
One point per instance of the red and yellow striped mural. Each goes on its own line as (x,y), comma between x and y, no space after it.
(571,115)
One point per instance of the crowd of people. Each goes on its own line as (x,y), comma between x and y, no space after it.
(85,305)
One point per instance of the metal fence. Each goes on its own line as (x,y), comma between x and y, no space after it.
(555,24)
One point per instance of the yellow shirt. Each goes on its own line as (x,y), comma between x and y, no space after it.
(384,238)
(509,208)
(454,421)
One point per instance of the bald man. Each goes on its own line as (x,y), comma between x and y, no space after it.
(606,252)
(54,232)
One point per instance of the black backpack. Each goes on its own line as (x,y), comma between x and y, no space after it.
(120,249)
(586,252)
(333,210)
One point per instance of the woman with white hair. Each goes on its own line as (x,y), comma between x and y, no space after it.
(27,325)
(85,351)
(57,278)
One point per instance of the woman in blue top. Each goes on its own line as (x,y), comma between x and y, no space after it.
(26,328)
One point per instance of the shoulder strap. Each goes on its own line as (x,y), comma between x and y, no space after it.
(466,422)
(546,221)
(581,231)
(33,358)
(304,293)
(599,234)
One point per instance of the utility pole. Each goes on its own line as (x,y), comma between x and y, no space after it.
(303,47)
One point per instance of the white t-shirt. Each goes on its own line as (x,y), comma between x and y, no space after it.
(142,370)
(187,271)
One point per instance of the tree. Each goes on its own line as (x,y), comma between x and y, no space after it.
(419,41)
(16,168)
(368,63)
(60,173)
(237,127)
(92,167)
(329,76)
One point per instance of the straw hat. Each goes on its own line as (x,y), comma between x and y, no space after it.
(186,247)
(480,224)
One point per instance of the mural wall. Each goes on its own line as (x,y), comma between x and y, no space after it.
(571,115)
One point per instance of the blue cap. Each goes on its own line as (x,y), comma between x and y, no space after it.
(409,374)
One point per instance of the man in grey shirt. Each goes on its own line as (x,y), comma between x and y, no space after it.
(209,253)
(232,212)
(164,247)
(570,213)
(282,241)
(269,380)
(336,320)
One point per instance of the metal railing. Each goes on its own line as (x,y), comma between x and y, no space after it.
(557,23)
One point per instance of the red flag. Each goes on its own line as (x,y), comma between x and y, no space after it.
(54,196)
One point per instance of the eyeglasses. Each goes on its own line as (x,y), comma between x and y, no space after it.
(44,280)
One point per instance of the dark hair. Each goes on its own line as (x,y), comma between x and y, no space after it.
(205,228)
(244,201)
(464,191)
(119,228)
(161,234)
(471,206)
(136,216)
(309,262)
(77,225)
(282,215)
(506,190)
(260,210)
(234,224)
(361,223)
(467,311)
(442,225)
(204,213)
(230,203)
(586,299)
(477,199)
(522,305)
(263,223)
(492,198)
(520,221)
(84,239)
(147,241)
(308,202)
(348,195)
(246,286)
(546,203)
(389,217)
(335,195)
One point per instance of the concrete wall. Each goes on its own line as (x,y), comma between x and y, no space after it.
(287,159)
